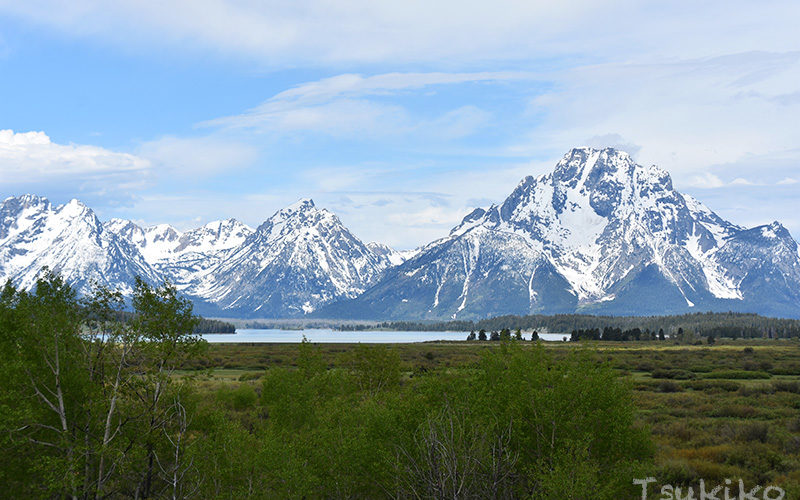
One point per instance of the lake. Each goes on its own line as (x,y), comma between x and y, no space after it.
(326,335)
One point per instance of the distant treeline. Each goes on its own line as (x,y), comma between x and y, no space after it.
(202,325)
(729,324)
(205,325)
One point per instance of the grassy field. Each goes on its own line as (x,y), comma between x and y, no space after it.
(731,410)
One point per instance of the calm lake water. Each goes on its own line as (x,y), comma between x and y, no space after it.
(324,335)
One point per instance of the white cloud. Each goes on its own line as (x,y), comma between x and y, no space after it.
(341,106)
(456,32)
(320,30)
(197,157)
(358,85)
(706,181)
(685,115)
(31,157)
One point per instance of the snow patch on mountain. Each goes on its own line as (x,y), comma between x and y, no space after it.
(68,239)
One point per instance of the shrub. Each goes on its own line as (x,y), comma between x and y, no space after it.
(737,375)
(753,390)
(244,377)
(713,385)
(673,374)
(669,386)
(240,398)
(735,411)
(755,431)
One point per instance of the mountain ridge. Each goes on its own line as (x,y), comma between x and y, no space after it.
(595,235)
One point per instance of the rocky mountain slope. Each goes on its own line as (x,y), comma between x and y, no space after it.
(297,259)
(598,234)
(68,239)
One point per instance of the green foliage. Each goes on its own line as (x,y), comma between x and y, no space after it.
(506,428)
(90,407)
(481,420)
(374,367)
(737,375)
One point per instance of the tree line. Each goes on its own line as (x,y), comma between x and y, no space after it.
(725,324)
(202,325)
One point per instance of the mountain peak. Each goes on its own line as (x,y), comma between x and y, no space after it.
(27,200)
(775,230)
(593,167)
(300,205)
(75,207)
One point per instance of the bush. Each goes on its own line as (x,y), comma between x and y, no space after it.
(239,398)
(713,385)
(737,375)
(244,377)
(792,386)
(673,374)
(756,431)
(753,390)
(735,411)
(669,386)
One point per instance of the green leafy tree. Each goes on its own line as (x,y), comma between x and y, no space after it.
(85,402)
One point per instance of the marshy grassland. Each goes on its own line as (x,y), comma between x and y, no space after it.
(728,410)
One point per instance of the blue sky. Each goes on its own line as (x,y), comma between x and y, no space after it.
(398,116)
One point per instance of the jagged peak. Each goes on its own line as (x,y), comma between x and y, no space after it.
(27,200)
(578,161)
(299,213)
(117,224)
(588,165)
(300,205)
(75,204)
(774,230)
(162,228)
(220,228)
(76,208)
(609,151)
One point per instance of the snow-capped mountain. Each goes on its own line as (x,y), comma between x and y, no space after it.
(154,242)
(183,258)
(68,239)
(389,255)
(598,234)
(297,259)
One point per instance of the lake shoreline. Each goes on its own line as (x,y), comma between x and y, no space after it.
(327,335)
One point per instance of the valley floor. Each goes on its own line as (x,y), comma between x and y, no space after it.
(727,411)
